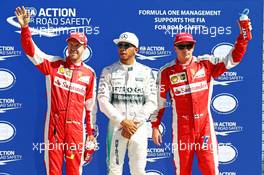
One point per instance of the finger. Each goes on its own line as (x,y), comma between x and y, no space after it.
(250,26)
(136,123)
(27,14)
(133,130)
(239,27)
(125,134)
(92,139)
(18,10)
(154,140)
(128,136)
(16,14)
(128,131)
(23,10)
(135,126)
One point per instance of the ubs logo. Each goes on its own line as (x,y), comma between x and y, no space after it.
(7,79)
(222,49)
(227,153)
(7,131)
(224,103)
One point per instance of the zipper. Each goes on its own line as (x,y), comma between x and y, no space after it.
(126,91)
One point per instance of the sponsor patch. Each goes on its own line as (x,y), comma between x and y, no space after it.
(139,79)
(67,85)
(178,78)
(191,88)
(117,76)
(65,71)
(199,74)
(84,79)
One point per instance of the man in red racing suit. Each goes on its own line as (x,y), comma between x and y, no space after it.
(189,81)
(71,87)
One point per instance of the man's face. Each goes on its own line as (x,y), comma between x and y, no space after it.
(184,51)
(126,51)
(75,50)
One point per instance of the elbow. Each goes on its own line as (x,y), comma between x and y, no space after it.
(102,103)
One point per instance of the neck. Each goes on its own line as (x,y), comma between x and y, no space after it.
(77,62)
(185,60)
(129,61)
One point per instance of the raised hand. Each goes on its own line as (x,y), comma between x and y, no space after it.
(23,17)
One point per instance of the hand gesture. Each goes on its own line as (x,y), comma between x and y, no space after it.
(23,16)
(156,136)
(129,126)
(92,139)
(125,134)
(90,147)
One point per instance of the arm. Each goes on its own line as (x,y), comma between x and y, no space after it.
(150,105)
(90,105)
(163,87)
(220,65)
(104,98)
(90,118)
(40,59)
(146,111)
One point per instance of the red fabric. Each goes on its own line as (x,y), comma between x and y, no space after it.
(69,87)
(184,37)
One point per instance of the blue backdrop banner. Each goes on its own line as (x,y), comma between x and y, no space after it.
(236,100)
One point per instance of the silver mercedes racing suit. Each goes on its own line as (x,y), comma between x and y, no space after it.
(127,91)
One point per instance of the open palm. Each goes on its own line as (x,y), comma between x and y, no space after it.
(23,16)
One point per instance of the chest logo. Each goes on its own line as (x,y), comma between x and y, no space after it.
(84,79)
(65,71)
(178,78)
(199,74)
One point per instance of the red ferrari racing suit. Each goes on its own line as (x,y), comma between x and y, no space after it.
(190,88)
(71,95)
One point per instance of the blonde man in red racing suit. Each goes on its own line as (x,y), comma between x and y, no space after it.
(71,94)
(189,81)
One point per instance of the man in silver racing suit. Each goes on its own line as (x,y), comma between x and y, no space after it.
(127,96)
